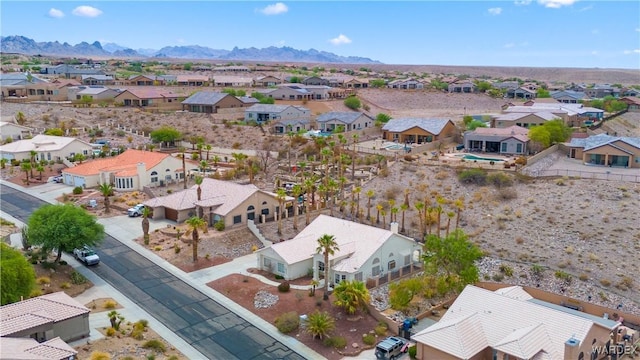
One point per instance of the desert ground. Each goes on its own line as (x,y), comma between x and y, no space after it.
(585,228)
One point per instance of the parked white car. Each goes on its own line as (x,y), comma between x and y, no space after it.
(136,210)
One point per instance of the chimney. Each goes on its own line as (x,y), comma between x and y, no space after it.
(142,175)
(571,348)
(394,227)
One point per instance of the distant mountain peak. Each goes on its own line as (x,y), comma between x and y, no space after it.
(24,45)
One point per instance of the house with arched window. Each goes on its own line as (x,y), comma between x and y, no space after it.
(366,253)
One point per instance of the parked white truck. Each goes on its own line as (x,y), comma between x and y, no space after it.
(86,255)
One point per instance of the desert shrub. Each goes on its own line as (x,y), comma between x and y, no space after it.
(77,278)
(99,355)
(48,265)
(562,275)
(111,331)
(584,277)
(176,248)
(137,334)
(413,352)
(173,357)
(625,283)
(338,342)
(288,322)
(473,176)
(65,285)
(605,282)
(507,194)
(110,304)
(506,270)
(284,287)
(279,277)
(522,161)
(35,293)
(352,103)
(368,339)
(77,190)
(499,179)
(155,345)
(142,323)
(380,330)
(42,280)
(219,225)
(498,277)
(442,175)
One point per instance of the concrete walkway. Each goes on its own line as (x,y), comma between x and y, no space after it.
(127,229)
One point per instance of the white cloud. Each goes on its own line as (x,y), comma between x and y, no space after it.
(555,4)
(586,8)
(275,9)
(55,13)
(522,2)
(635,51)
(86,11)
(340,40)
(495,11)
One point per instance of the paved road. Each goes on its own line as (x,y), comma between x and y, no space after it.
(202,322)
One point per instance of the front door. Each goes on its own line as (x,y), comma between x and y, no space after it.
(573,153)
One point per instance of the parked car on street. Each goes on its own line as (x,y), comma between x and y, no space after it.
(136,210)
(86,255)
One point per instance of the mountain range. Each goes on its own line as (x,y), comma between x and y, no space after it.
(23,45)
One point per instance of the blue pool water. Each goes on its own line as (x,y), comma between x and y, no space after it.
(480,158)
(394,147)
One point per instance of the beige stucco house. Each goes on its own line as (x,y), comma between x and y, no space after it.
(418,130)
(225,201)
(349,120)
(131,170)
(606,150)
(47,147)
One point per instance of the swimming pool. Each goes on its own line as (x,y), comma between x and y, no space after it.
(394,146)
(480,158)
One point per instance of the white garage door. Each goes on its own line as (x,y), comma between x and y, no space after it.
(78,181)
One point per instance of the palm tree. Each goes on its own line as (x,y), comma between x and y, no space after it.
(379,207)
(327,245)
(403,208)
(384,217)
(459,204)
(351,296)
(40,170)
(32,160)
(198,180)
(308,185)
(200,146)
(450,215)
(420,207)
(195,223)
(314,283)
(357,190)
(353,160)
(370,194)
(216,159)
(184,166)
(297,191)
(115,319)
(439,210)
(21,119)
(392,203)
(320,324)
(26,167)
(281,194)
(145,224)
(106,190)
(394,214)
(208,147)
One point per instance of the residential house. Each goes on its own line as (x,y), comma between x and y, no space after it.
(462,86)
(16,84)
(70,71)
(47,147)
(220,200)
(520,93)
(323,92)
(94,92)
(28,348)
(281,127)
(406,84)
(97,80)
(569,96)
(365,252)
(150,97)
(418,130)
(598,91)
(231,81)
(348,120)
(233,69)
(131,170)
(192,80)
(146,80)
(356,83)
(335,82)
(289,92)
(248,100)
(571,114)
(44,318)
(606,150)
(210,101)
(630,92)
(13,131)
(482,325)
(266,81)
(50,91)
(522,119)
(265,112)
(633,103)
(315,80)
(509,140)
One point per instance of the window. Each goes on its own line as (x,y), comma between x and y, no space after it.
(154,177)
(407,260)
(375,270)
(581,356)
(339,278)
(358,276)
(320,266)
(518,148)
(503,147)
(391,265)
(281,268)
(267,263)
(237,219)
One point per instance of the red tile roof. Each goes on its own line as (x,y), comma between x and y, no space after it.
(122,165)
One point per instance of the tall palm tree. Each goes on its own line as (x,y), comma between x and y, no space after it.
(195,224)
(200,146)
(145,224)
(383,212)
(302,165)
(394,213)
(32,160)
(106,190)
(198,180)
(40,170)
(459,204)
(450,215)
(281,195)
(297,191)
(392,203)
(203,166)
(327,245)
(308,185)
(216,159)
(351,296)
(26,167)
(403,208)
(439,210)
(208,147)
(379,208)
(370,194)
(353,159)
(184,166)
(420,207)
(357,190)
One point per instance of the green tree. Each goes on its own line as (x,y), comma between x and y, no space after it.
(383,118)
(377,83)
(452,259)
(542,93)
(474,124)
(320,324)
(351,296)
(18,276)
(63,227)
(187,66)
(401,293)
(195,224)
(21,119)
(327,245)
(267,100)
(106,190)
(165,134)
(231,92)
(549,133)
(54,132)
(352,102)
(483,86)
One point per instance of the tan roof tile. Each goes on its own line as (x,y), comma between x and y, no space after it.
(125,161)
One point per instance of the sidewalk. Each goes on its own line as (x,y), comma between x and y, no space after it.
(126,229)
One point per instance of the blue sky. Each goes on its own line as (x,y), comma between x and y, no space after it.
(535,33)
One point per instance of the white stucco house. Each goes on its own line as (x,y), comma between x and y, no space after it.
(13,131)
(47,147)
(266,112)
(365,252)
(131,170)
(349,120)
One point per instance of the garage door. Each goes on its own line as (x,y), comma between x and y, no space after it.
(78,181)
(171,214)
(8,156)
